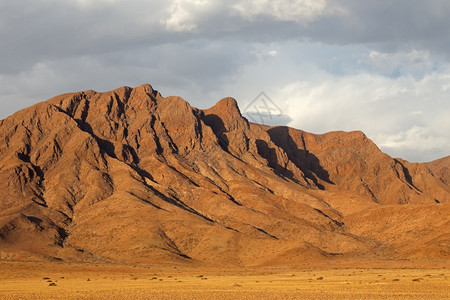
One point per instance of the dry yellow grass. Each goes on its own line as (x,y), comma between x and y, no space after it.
(39,281)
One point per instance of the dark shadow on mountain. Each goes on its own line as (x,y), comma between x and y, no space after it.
(106,146)
(407,174)
(218,127)
(266,233)
(128,152)
(338,223)
(146,201)
(35,220)
(270,155)
(307,162)
(26,158)
(172,199)
(61,237)
(143,173)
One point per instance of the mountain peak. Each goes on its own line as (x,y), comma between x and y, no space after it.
(228,125)
(227,105)
(225,116)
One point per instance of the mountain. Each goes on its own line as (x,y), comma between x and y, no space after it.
(131,176)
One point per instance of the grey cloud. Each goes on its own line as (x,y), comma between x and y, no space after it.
(415,155)
(32,31)
(191,70)
(390,24)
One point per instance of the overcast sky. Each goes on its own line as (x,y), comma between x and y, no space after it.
(382,67)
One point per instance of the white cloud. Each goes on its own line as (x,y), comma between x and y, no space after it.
(417,137)
(415,62)
(416,144)
(405,116)
(417,113)
(184,14)
(88,4)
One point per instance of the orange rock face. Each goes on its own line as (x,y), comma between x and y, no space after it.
(131,176)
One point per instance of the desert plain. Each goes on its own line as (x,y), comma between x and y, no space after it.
(27,280)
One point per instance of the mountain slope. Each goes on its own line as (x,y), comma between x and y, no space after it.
(441,169)
(131,176)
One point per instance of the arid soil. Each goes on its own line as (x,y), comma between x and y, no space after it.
(46,281)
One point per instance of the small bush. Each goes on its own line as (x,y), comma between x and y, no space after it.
(52,284)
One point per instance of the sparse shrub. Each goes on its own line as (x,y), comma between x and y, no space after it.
(319,278)
(52,284)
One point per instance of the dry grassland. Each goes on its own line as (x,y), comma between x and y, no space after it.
(39,281)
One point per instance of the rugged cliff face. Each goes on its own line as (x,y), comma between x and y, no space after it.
(131,176)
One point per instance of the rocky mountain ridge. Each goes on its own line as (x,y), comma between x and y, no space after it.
(131,176)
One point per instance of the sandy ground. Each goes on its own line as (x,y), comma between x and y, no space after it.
(44,281)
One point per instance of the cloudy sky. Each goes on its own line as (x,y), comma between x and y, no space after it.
(382,67)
